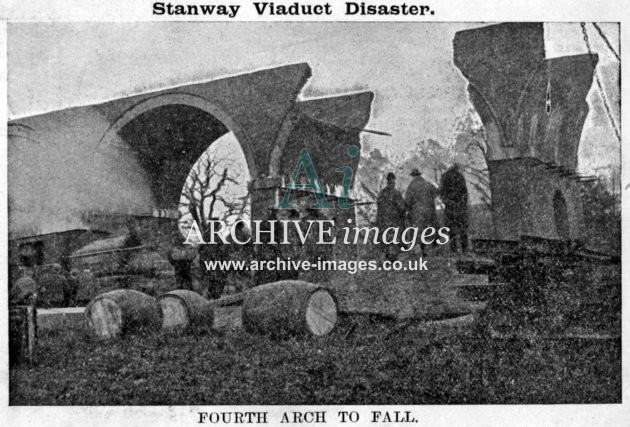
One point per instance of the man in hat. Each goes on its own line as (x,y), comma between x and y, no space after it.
(454,194)
(390,212)
(420,197)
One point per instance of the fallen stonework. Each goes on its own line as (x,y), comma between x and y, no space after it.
(52,319)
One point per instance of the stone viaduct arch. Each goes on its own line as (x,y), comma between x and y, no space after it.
(534,110)
(179,98)
(261,108)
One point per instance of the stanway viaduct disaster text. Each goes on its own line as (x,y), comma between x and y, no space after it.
(292,9)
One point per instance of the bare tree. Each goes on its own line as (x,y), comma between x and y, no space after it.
(204,195)
(469,148)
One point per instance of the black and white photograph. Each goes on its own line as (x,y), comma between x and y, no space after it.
(259,215)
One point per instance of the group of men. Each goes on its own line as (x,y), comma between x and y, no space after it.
(417,208)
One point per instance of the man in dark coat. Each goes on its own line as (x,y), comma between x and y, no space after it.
(420,197)
(241,279)
(182,258)
(216,279)
(390,207)
(390,212)
(454,194)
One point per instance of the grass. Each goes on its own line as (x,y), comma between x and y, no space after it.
(414,366)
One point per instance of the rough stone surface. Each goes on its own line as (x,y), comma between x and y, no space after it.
(523,192)
(530,106)
(533,110)
(60,318)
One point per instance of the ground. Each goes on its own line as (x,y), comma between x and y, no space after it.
(361,362)
(384,352)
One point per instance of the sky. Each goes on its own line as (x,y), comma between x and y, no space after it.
(418,91)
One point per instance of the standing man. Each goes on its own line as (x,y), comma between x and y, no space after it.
(182,258)
(420,198)
(390,212)
(454,194)
(241,279)
(216,279)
